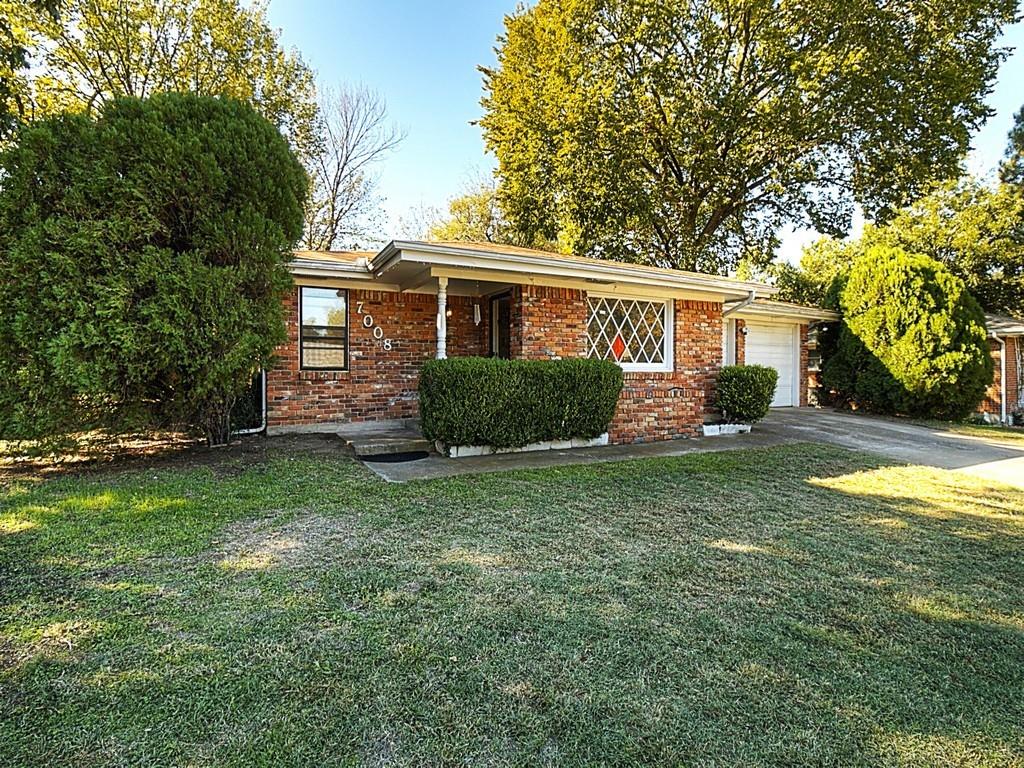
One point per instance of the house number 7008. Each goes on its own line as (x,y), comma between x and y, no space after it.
(378,332)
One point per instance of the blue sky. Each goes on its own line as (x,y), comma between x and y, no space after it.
(422,57)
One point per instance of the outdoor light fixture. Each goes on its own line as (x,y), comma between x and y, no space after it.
(447,313)
(476,314)
(744,330)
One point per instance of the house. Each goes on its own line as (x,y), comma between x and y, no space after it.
(361,324)
(1005,397)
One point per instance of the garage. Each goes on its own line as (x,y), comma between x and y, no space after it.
(777,346)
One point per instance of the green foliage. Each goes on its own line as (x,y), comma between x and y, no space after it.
(745,392)
(685,134)
(142,264)
(913,339)
(975,230)
(476,216)
(99,50)
(1012,169)
(822,264)
(14,56)
(509,403)
(473,216)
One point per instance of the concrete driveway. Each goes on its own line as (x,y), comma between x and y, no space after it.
(1002,461)
(902,442)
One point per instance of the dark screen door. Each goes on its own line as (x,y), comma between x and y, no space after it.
(501,319)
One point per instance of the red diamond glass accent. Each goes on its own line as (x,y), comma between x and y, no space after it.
(618,346)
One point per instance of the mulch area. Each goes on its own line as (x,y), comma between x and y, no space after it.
(167,450)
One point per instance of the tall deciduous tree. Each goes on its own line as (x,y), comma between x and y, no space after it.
(14,57)
(685,133)
(474,215)
(143,263)
(1012,169)
(352,135)
(477,215)
(975,230)
(101,49)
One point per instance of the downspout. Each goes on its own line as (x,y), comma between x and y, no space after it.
(740,304)
(1002,377)
(263,402)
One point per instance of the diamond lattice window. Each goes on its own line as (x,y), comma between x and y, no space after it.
(629,331)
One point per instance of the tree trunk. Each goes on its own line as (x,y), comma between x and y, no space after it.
(217,423)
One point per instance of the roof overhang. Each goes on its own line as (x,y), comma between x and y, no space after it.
(1003,325)
(311,267)
(784,311)
(400,261)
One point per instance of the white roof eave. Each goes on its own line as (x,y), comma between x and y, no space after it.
(786,312)
(598,272)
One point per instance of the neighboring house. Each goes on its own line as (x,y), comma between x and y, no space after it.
(360,326)
(1006,395)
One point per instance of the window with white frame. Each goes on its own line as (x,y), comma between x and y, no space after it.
(636,333)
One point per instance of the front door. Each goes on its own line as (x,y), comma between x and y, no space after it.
(501,321)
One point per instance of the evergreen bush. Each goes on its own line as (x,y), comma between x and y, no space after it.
(745,392)
(142,265)
(913,339)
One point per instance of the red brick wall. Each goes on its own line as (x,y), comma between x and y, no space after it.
(662,406)
(741,342)
(804,367)
(1013,374)
(548,323)
(991,402)
(378,384)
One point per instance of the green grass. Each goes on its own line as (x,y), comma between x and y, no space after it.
(996,432)
(797,605)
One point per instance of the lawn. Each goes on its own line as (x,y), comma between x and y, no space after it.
(796,605)
(1012,435)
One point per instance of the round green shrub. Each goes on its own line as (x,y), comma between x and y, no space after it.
(913,339)
(143,264)
(510,403)
(745,392)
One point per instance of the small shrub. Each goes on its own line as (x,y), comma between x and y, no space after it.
(745,392)
(510,403)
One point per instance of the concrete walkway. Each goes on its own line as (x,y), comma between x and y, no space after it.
(902,442)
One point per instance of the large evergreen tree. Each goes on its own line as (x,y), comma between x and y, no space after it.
(913,338)
(142,264)
(686,133)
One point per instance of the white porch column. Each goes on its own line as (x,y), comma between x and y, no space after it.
(442,318)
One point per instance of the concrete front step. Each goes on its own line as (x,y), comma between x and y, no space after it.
(372,445)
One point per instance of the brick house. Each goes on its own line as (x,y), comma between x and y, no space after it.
(1006,395)
(360,325)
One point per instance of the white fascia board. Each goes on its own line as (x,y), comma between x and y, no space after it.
(596,272)
(314,268)
(761,312)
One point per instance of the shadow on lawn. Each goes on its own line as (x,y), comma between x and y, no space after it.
(782,606)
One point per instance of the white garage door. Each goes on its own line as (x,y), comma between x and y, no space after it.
(775,346)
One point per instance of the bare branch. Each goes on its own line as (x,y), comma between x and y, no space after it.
(354,135)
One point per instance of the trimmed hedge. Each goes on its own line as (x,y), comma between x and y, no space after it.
(510,403)
(745,392)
